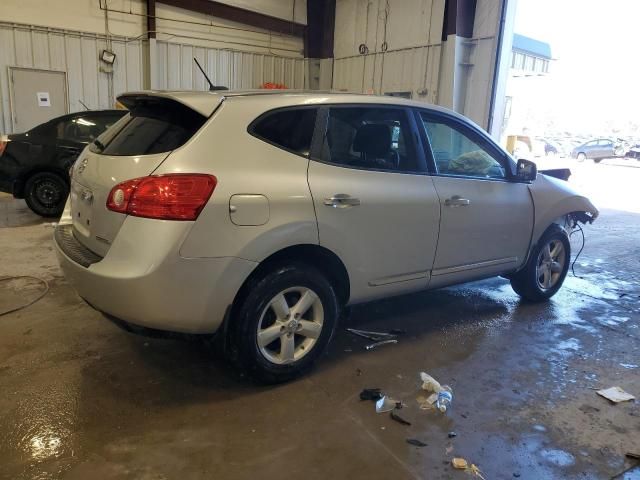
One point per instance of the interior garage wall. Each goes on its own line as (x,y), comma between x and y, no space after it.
(412,31)
(406,53)
(175,68)
(76,54)
(70,34)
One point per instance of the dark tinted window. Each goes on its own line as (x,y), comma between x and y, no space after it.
(290,129)
(85,128)
(152,126)
(376,138)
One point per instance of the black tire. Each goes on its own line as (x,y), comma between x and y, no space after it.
(526,282)
(581,157)
(597,160)
(254,307)
(46,193)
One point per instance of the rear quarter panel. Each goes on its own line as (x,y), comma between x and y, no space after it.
(243,164)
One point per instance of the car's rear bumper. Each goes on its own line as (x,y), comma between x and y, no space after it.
(149,284)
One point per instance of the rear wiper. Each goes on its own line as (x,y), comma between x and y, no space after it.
(98,144)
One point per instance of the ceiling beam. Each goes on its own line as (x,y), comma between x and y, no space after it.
(459,18)
(240,15)
(321,19)
(151,18)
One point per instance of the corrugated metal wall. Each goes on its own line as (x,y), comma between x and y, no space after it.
(175,68)
(77,54)
(412,70)
(404,41)
(73,52)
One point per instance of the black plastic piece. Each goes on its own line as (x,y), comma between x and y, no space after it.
(373,394)
(415,442)
(398,418)
(72,248)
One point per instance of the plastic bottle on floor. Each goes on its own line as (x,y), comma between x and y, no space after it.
(445,397)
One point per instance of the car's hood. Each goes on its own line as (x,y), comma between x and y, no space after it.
(553,199)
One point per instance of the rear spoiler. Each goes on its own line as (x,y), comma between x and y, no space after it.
(561,173)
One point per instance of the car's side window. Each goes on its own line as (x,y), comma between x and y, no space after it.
(79,129)
(290,129)
(457,152)
(373,138)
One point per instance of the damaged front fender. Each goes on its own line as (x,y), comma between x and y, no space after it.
(554,199)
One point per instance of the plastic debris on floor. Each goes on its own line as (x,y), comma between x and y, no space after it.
(441,396)
(461,464)
(615,394)
(386,404)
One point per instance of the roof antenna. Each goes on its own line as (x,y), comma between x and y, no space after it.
(84,105)
(212,87)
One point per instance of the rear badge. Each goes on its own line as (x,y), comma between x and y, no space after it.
(83,165)
(87,196)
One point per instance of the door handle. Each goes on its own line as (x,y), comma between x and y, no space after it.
(457,201)
(341,200)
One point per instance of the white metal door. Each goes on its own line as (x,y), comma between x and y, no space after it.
(37,96)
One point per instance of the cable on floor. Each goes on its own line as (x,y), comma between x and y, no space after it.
(577,228)
(28,304)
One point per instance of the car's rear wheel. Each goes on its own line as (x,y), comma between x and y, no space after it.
(283,323)
(46,194)
(581,157)
(597,160)
(546,268)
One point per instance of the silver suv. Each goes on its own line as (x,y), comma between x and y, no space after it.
(261,215)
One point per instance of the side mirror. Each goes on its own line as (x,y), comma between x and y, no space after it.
(526,171)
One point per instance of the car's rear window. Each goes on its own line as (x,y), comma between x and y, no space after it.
(152,126)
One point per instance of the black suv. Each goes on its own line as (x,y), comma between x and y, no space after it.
(35,165)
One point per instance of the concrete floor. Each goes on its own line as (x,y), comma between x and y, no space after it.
(81,398)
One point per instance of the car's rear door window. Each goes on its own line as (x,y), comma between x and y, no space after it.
(370,137)
(152,126)
(290,129)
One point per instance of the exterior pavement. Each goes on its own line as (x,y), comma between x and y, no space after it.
(82,398)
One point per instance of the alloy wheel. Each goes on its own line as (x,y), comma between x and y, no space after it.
(290,325)
(550,265)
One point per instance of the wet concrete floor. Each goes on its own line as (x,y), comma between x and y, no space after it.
(82,398)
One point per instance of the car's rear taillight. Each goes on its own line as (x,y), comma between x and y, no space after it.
(179,196)
(3,144)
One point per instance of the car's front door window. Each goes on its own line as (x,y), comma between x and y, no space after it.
(456,153)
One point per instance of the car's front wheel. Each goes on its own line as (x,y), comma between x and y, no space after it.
(283,323)
(46,194)
(581,157)
(546,268)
